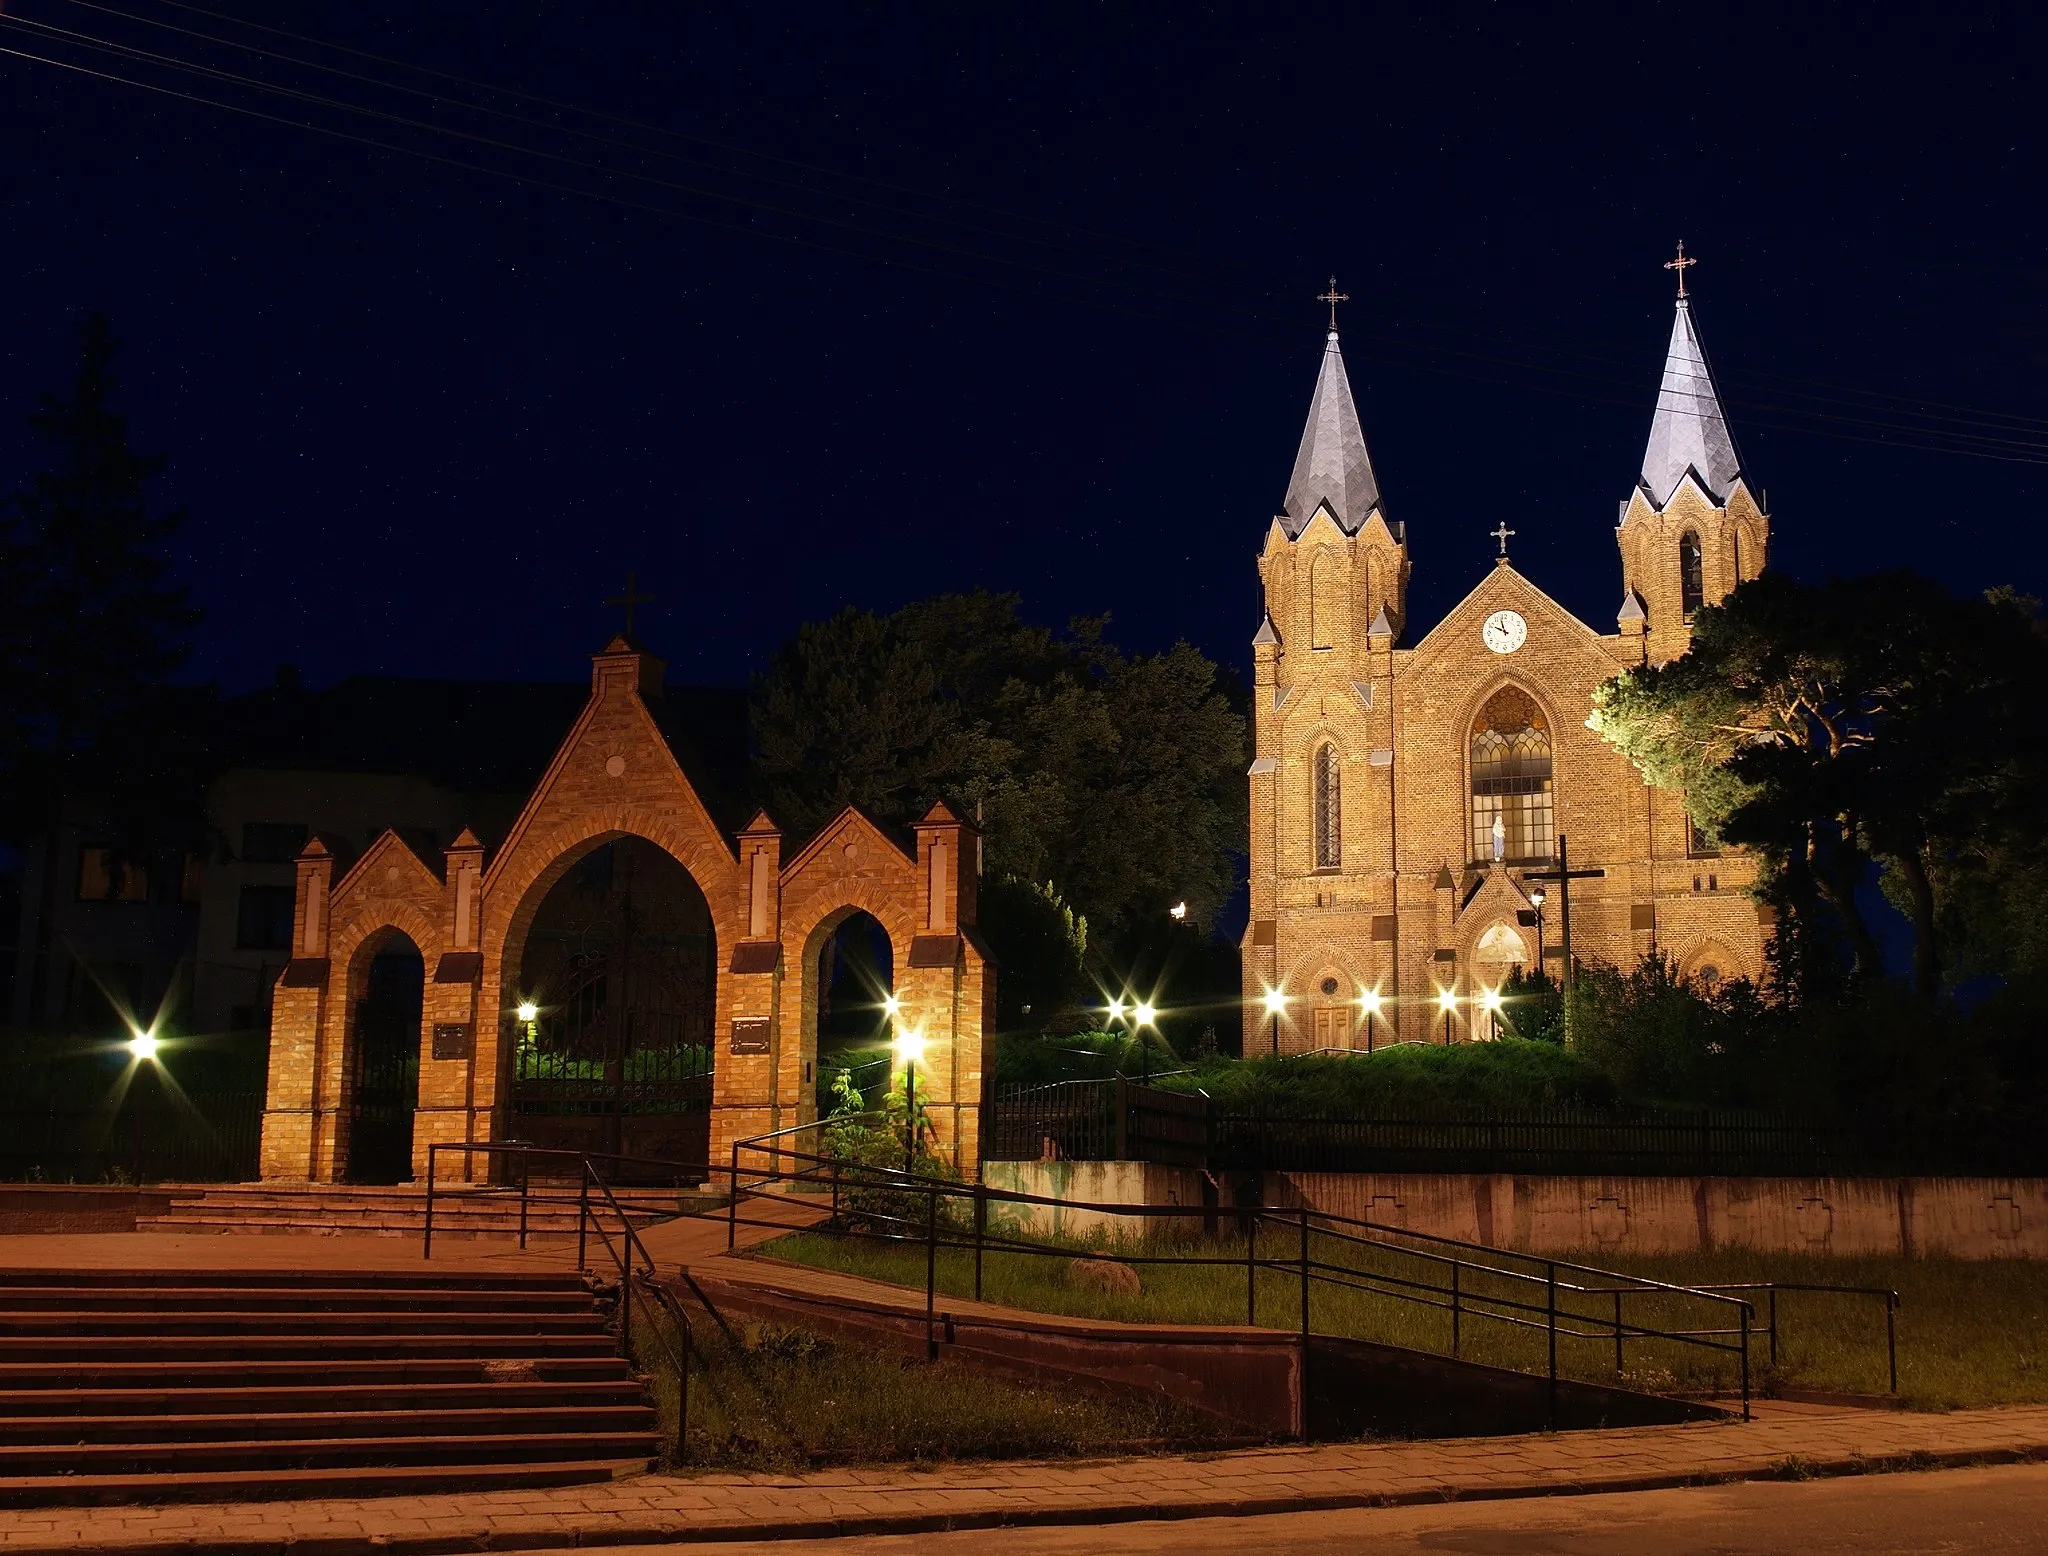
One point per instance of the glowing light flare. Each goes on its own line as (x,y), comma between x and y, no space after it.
(1116,1010)
(1276,1002)
(891,1005)
(1370,999)
(909,1046)
(1145,1015)
(1491,1000)
(144,1045)
(1446,1001)
(1178,911)
(527,1011)
(1536,897)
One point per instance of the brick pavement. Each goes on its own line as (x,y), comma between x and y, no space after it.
(708,1507)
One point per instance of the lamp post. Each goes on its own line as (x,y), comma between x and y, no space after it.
(1370,999)
(1536,902)
(909,1047)
(1275,1003)
(1142,1016)
(1447,1002)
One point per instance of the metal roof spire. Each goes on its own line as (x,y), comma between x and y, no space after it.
(1689,431)
(1332,466)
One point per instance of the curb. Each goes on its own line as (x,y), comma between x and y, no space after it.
(619,1532)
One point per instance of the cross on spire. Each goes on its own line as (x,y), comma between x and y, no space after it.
(629,599)
(1333,297)
(1681,265)
(1502,535)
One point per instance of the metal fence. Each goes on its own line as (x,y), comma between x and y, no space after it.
(1112,1120)
(210,1137)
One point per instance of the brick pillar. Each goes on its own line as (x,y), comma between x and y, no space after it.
(755,1060)
(454,1092)
(948,986)
(297,1117)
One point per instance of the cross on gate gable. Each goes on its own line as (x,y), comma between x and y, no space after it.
(629,599)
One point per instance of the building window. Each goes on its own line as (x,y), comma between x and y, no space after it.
(1329,804)
(1699,842)
(1692,578)
(263,918)
(272,842)
(104,878)
(1511,780)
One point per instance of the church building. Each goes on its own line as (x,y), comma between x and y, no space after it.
(1411,790)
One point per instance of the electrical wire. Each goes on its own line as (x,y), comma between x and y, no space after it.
(1855,423)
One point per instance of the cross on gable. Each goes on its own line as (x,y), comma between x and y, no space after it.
(629,599)
(1681,265)
(1502,534)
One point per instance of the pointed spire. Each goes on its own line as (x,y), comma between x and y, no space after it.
(1267,637)
(1631,609)
(1689,431)
(1332,467)
(1381,627)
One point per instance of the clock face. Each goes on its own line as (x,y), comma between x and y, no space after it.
(1504,632)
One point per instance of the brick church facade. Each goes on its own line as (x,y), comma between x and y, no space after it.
(1407,785)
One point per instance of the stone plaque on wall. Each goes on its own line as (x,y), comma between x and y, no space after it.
(750,1035)
(452,1039)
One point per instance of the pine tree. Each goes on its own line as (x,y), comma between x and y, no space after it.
(94,626)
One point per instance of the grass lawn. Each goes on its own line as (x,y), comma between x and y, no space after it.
(1968,1333)
(773,1397)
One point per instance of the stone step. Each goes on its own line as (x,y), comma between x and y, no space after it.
(148,1325)
(321,1452)
(298,1484)
(231,1429)
(420,1278)
(124,1371)
(310,1347)
(76,1300)
(308,1393)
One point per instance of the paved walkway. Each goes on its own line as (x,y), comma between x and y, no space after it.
(652,1509)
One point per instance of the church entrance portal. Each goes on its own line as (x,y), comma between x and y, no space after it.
(852,976)
(610,1030)
(384,1064)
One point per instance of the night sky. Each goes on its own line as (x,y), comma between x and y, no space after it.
(863,306)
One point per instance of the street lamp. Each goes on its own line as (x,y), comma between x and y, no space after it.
(909,1047)
(527,1012)
(1447,1002)
(1144,1015)
(1536,902)
(1370,999)
(1491,1000)
(1275,1003)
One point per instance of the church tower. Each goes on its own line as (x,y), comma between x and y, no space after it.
(1335,573)
(1692,530)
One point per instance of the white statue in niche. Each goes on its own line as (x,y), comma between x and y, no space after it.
(1500,838)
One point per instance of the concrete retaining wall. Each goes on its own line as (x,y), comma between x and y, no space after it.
(1961,1218)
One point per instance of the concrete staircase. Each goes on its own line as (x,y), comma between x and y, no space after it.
(181,1386)
(332,1210)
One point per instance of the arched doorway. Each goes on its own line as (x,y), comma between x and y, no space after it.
(384,1060)
(610,1030)
(849,978)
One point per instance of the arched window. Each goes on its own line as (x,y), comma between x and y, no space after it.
(1692,582)
(1511,798)
(1329,808)
(1322,601)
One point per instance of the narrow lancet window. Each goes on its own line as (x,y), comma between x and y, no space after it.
(1329,808)
(1511,780)
(1692,582)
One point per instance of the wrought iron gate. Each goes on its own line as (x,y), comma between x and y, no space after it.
(617,1057)
(385,1072)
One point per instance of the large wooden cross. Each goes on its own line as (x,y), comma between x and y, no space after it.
(629,599)
(1681,265)
(1564,875)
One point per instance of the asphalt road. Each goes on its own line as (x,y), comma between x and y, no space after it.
(1993,1511)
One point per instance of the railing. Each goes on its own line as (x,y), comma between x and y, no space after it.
(206,1137)
(634,1264)
(1108,1120)
(1467,1282)
(1571,1305)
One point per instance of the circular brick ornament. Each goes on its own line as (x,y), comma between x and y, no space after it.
(615,766)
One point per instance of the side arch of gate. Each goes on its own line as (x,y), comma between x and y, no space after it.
(852,866)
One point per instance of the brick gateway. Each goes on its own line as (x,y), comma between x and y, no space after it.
(470,914)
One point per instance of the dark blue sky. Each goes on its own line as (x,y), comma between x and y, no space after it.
(1019,299)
